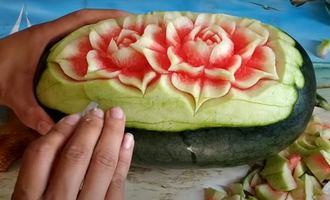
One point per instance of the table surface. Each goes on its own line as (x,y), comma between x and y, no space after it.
(308,24)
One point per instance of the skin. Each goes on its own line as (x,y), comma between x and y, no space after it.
(20,54)
(91,149)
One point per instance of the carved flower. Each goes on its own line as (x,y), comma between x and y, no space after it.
(107,52)
(209,54)
(204,55)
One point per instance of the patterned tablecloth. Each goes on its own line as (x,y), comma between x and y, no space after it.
(308,24)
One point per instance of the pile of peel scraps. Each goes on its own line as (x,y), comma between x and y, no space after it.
(300,172)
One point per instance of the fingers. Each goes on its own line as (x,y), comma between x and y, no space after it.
(39,158)
(117,186)
(105,157)
(33,116)
(72,21)
(93,151)
(74,160)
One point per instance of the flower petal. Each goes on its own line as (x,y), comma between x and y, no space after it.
(126,33)
(264,60)
(94,63)
(172,55)
(228,23)
(247,77)
(103,32)
(158,61)
(233,63)
(72,59)
(135,69)
(129,58)
(186,83)
(153,38)
(141,84)
(138,23)
(218,73)
(192,35)
(212,89)
(104,73)
(205,20)
(96,40)
(78,47)
(222,51)
(197,53)
(258,28)
(170,16)
(245,41)
(112,47)
(249,49)
(172,35)
(100,66)
(186,68)
(71,70)
(183,25)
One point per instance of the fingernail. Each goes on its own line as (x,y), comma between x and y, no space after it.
(128,140)
(116,113)
(72,119)
(43,127)
(97,112)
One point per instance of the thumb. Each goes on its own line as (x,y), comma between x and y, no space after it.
(34,117)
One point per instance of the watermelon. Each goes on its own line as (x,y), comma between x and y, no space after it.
(198,89)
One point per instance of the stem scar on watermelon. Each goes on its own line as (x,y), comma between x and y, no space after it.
(198,89)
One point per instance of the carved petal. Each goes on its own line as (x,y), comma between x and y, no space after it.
(153,38)
(213,89)
(218,73)
(72,59)
(222,51)
(192,35)
(183,25)
(128,58)
(186,83)
(186,68)
(158,61)
(96,40)
(127,33)
(264,60)
(205,20)
(103,32)
(249,49)
(141,84)
(197,52)
(228,23)
(112,47)
(94,63)
(246,41)
(247,77)
(137,23)
(258,28)
(174,58)
(172,35)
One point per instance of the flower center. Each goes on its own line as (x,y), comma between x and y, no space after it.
(126,38)
(209,37)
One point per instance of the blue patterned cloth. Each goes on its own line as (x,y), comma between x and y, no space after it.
(308,24)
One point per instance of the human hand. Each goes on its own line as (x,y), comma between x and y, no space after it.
(92,150)
(20,54)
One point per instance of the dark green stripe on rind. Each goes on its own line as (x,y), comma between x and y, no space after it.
(227,146)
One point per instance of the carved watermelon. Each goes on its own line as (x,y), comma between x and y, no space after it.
(197,89)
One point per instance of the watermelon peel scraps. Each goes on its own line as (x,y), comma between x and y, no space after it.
(308,162)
